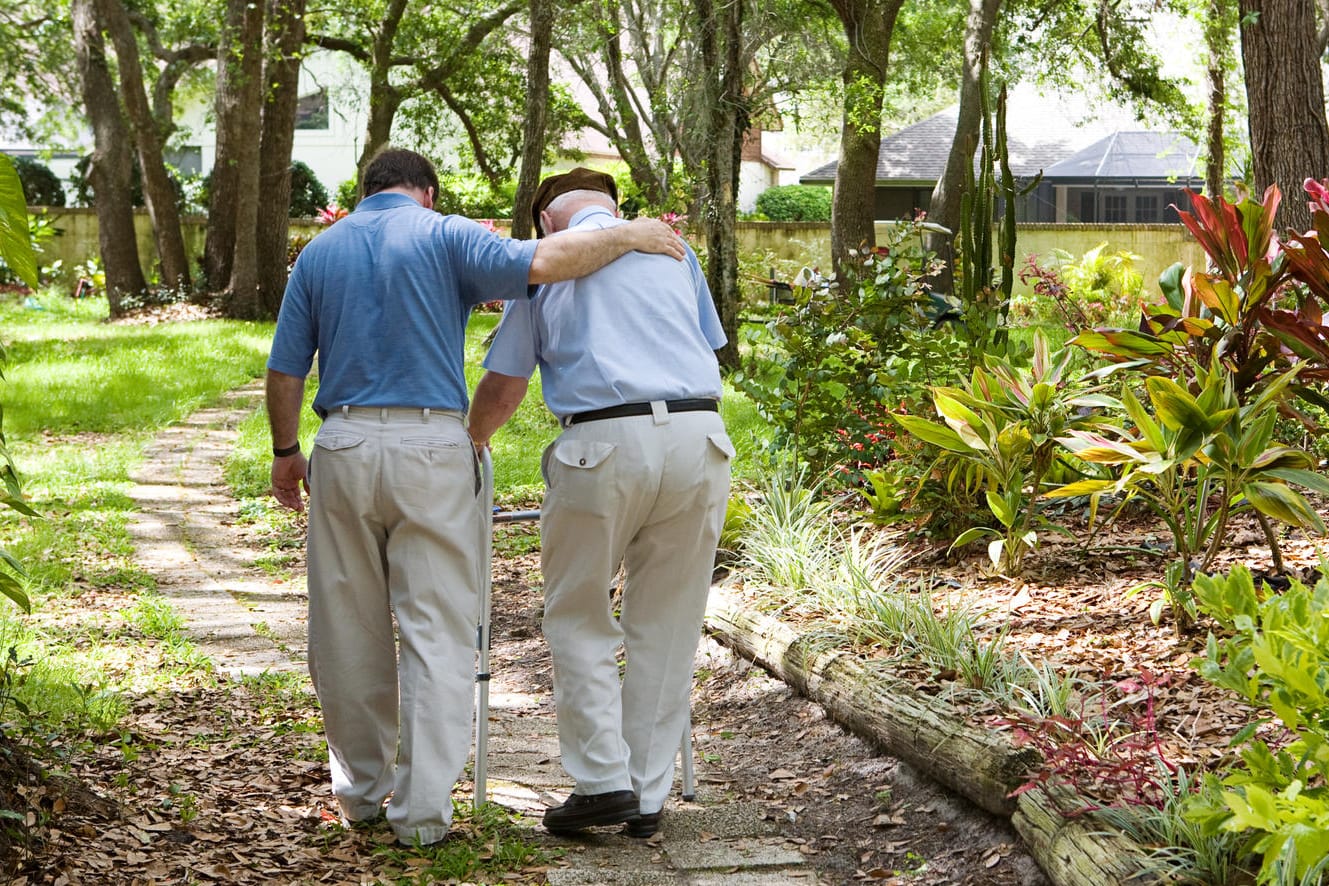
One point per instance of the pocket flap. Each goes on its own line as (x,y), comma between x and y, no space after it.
(583,453)
(722,442)
(335,441)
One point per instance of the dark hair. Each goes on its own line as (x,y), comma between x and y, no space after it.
(397,168)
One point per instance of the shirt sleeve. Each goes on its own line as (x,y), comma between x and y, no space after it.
(488,266)
(296,338)
(515,349)
(707,316)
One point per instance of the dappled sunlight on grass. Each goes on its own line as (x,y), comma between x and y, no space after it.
(112,379)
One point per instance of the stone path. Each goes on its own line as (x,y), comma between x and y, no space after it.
(186,537)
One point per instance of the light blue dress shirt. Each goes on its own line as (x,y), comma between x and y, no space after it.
(383,297)
(641,328)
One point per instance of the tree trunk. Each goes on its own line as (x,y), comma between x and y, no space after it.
(384,98)
(239,65)
(1285,98)
(158,192)
(945,205)
(110,171)
(537,109)
(720,30)
(281,79)
(868,25)
(1218,26)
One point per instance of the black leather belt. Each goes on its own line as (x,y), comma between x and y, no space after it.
(702,404)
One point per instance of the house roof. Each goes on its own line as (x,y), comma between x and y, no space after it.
(1042,129)
(1137,155)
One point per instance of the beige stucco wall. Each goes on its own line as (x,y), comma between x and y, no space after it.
(1157,245)
(75,240)
(800,242)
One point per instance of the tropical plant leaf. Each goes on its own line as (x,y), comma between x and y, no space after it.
(13,589)
(1312,480)
(1282,503)
(930,432)
(15,242)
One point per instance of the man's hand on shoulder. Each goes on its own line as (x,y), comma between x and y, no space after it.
(654,236)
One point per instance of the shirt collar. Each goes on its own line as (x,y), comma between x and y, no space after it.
(583,214)
(384,200)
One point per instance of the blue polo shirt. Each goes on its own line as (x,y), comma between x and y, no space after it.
(383,297)
(641,328)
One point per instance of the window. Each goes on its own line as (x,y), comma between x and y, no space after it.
(1114,208)
(311,111)
(1146,208)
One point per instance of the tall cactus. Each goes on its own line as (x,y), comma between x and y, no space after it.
(984,297)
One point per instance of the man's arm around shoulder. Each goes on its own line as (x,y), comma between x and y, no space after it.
(572,254)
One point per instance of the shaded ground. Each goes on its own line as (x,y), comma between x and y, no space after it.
(214,780)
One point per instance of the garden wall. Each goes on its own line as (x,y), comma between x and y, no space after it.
(75,240)
(1158,245)
(804,243)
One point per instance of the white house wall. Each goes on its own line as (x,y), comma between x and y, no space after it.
(331,153)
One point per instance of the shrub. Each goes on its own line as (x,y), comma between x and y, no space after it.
(830,366)
(1276,658)
(308,195)
(41,186)
(789,203)
(348,193)
(1100,288)
(78,180)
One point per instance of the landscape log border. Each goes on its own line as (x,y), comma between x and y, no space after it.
(982,765)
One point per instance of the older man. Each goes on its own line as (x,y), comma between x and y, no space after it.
(638,478)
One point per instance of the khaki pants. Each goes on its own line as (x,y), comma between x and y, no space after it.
(648,492)
(397,527)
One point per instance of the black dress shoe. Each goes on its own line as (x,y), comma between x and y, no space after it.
(643,826)
(580,812)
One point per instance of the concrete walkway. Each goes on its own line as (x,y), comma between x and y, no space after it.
(187,537)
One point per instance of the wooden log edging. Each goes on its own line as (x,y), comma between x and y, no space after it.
(931,735)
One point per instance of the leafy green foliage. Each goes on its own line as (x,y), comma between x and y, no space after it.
(1096,289)
(1193,451)
(41,186)
(791,203)
(16,251)
(827,370)
(1000,434)
(1276,658)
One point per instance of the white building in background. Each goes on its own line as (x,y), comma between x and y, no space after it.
(329,127)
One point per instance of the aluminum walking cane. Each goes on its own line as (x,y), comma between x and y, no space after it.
(482,630)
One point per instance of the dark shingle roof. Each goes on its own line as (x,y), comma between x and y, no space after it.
(1141,156)
(1041,131)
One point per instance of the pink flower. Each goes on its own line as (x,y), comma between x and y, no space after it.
(331,213)
(1318,191)
(487,224)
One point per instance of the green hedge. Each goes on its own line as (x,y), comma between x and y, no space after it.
(790,203)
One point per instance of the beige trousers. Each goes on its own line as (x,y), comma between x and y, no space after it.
(648,492)
(398,525)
